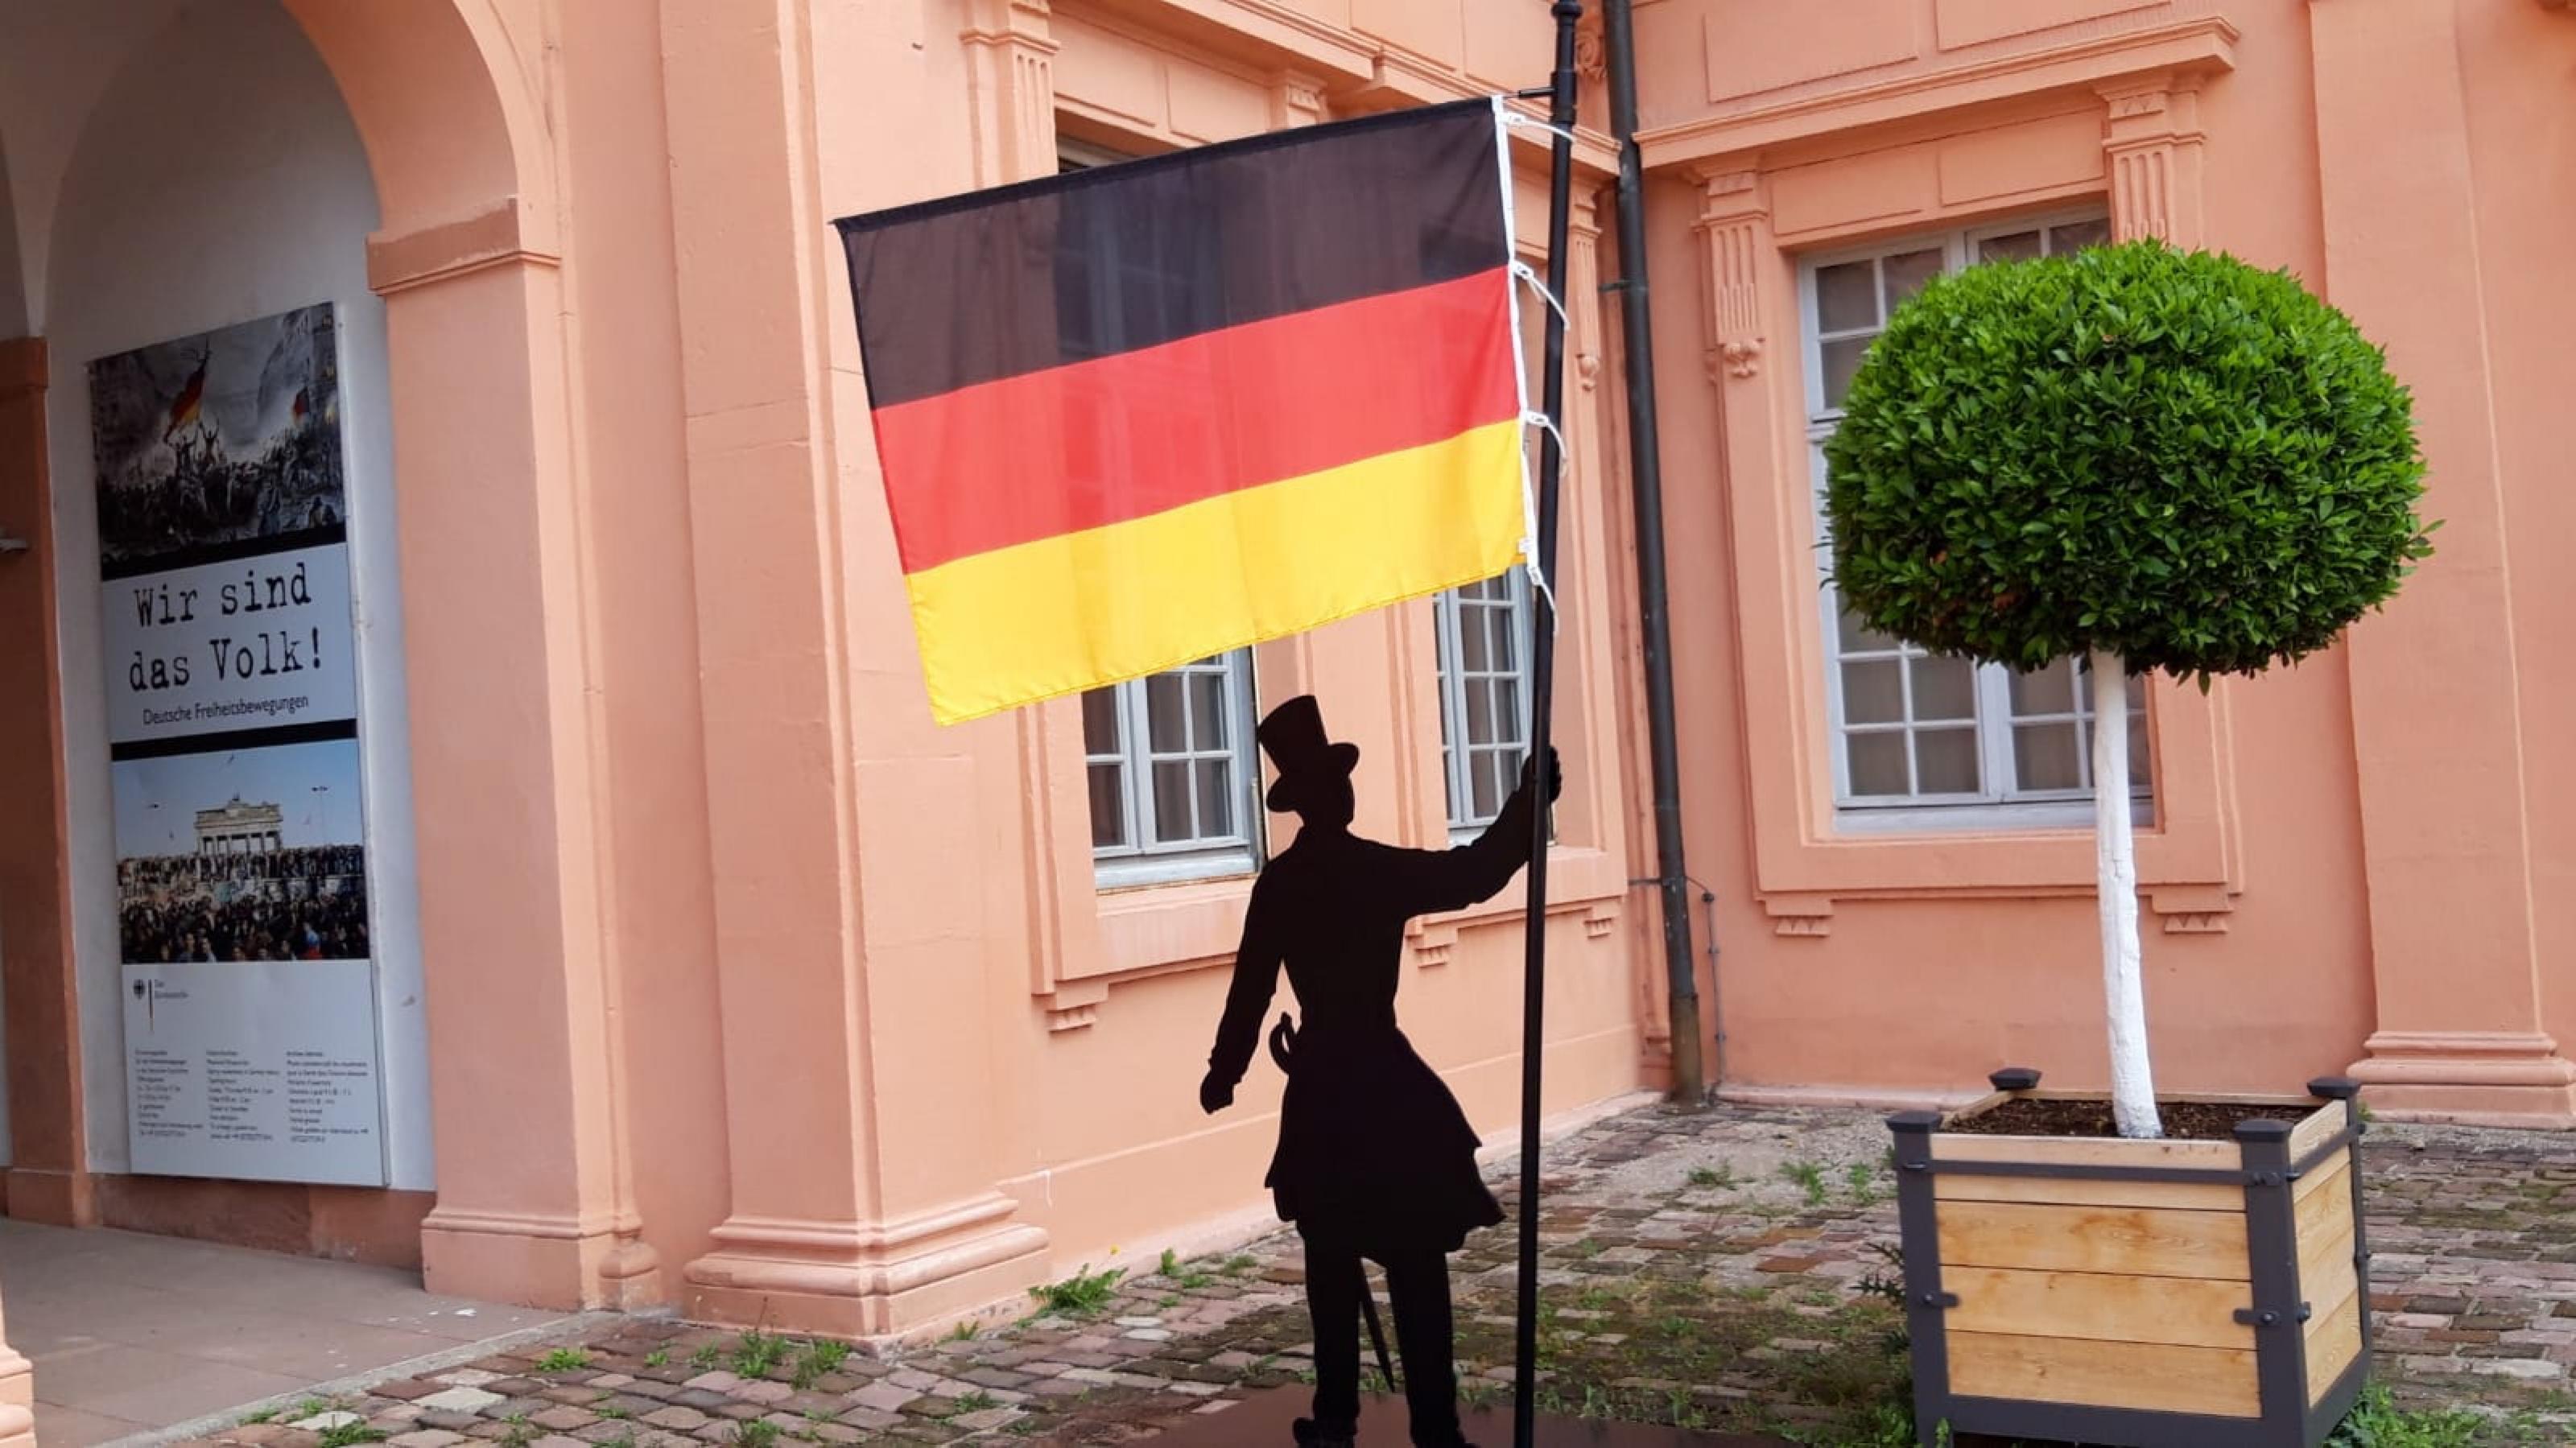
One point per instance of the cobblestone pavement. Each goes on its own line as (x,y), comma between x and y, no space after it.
(1698,1269)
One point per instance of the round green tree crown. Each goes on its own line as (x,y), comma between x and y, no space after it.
(2176,457)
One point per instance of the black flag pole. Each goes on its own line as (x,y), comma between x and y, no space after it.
(1543,691)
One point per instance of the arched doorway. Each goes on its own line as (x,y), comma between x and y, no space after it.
(157,191)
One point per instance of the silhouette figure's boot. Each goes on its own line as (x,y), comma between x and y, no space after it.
(1310,1435)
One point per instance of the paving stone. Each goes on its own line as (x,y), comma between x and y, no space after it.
(2474,1275)
(462,1400)
(425,1438)
(406,1389)
(885,1397)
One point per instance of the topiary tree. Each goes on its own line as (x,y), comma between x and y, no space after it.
(2146,459)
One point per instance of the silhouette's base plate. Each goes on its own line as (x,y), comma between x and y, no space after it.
(1264,1418)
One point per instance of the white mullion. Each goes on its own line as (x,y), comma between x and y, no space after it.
(1905,719)
(1448,636)
(2076,681)
(1139,749)
(1190,738)
(1247,765)
(1995,740)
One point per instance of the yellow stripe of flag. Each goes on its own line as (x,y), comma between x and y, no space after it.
(1061,614)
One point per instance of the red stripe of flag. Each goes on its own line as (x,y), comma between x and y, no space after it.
(1126,436)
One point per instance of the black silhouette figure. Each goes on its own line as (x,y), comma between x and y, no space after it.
(1375,1158)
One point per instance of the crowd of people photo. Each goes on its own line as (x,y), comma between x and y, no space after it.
(211,497)
(287,904)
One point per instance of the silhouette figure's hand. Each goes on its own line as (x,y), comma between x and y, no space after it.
(1555,774)
(1215,1094)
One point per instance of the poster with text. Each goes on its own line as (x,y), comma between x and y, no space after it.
(233,738)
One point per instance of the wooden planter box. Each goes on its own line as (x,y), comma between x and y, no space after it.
(2139,1293)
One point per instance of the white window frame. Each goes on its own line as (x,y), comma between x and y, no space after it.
(1143,858)
(1457,753)
(2000,803)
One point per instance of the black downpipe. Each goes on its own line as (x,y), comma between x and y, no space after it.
(1654,622)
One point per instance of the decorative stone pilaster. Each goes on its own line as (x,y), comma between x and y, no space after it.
(1583,313)
(840,1219)
(2440,733)
(2154,142)
(1735,230)
(1010,68)
(1296,99)
(48,1174)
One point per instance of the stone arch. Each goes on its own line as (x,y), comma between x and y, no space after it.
(449,98)
(445,100)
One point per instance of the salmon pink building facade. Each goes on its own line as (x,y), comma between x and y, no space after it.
(595,915)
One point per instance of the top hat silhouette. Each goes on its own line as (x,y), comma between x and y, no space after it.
(1293,736)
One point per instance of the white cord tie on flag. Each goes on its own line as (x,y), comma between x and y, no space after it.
(1536,283)
(1518,118)
(1529,509)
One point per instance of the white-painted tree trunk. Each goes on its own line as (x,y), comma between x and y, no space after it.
(2115,878)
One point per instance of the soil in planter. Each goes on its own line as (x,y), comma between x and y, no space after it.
(2183,1120)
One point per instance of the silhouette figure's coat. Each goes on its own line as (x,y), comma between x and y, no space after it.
(1375,1158)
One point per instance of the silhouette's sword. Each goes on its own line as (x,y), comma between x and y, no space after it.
(1283,1039)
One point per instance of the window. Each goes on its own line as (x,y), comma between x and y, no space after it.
(1169,758)
(1917,740)
(1483,646)
(1172,774)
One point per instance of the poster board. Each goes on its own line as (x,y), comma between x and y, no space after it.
(252,1043)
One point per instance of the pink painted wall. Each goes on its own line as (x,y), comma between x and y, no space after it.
(777,1000)
(1856,964)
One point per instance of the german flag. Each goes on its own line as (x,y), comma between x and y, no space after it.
(1143,414)
(190,403)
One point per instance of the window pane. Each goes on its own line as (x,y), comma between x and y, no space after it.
(1846,297)
(1945,689)
(1873,693)
(2044,756)
(1489,790)
(2044,691)
(1480,712)
(1877,764)
(2141,762)
(1172,803)
(1506,647)
(1508,728)
(1207,711)
(2020,246)
(1216,798)
(1108,806)
(2077,235)
(1100,721)
(1166,725)
(1858,637)
(1842,359)
(1473,656)
(2137,692)
(1905,275)
(1945,761)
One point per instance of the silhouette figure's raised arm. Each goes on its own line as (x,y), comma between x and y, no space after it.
(1432,881)
(1256,979)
